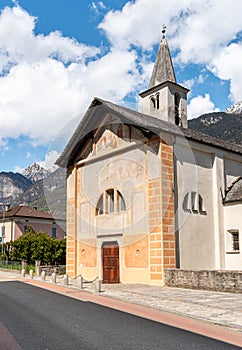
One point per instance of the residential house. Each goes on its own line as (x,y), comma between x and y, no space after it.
(15,221)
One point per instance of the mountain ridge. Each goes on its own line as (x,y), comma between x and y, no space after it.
(222,125)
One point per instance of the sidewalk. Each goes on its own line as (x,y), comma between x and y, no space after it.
(183,308)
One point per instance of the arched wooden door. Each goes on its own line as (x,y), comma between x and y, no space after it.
(110,259)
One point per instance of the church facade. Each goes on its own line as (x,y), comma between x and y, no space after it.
(145,193)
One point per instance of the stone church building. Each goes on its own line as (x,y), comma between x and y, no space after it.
(145,193)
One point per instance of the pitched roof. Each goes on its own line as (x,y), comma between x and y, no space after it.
(234,191)
(95,116)
(163,68)
(23,211)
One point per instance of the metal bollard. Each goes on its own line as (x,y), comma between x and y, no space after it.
(23,272)
(98,285)
(31,274)
(43,275)
(65,281)
(53,277)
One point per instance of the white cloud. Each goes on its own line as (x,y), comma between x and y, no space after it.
(36,98)
(97,7)
(139,22)
(106,78)
(228,66)
(47,80)
(200,105)
(50,159)
(189,83)
(20,44)
(199,32)
(198,29)
(207,28)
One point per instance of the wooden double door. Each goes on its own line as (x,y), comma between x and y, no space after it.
(110,260)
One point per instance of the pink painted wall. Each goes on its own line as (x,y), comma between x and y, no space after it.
(19,228)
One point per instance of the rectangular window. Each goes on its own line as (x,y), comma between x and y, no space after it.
(53,232)
(232,241)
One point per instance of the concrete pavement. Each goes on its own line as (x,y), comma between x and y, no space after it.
(219,308)
(217,315)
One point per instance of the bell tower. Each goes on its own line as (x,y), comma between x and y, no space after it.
(165,99)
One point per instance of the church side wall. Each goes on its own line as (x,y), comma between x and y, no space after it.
(203,172)
(195,220)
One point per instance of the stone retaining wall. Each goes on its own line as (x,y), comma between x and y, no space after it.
(222,281)
(59,270)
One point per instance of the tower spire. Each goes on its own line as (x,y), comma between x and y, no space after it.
(165,99)
(163,69)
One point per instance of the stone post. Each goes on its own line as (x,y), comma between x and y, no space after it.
(31,272)
(37,267)
(65,281)
(23,272)
(43,275)
(98,285)
(24,264)
(53,277)
(80,282)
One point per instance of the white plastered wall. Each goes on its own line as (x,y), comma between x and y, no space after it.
(233,222)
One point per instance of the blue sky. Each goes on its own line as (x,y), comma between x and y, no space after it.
(55,56)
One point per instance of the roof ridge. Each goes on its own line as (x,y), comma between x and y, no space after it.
(231,185)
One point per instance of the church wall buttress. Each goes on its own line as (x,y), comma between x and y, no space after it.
(168,203)
(71,224)
(155,225)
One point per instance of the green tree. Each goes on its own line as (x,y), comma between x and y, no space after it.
(34,245)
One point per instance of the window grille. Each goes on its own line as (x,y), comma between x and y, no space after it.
(235,241)
(232,241)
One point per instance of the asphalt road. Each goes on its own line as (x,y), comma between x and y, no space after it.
(32,318)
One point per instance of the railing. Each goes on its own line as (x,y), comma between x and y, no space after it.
(11,265)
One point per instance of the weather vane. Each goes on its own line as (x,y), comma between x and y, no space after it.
(163,30)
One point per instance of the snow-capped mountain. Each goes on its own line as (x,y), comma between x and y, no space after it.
(236,108)
(35,172)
